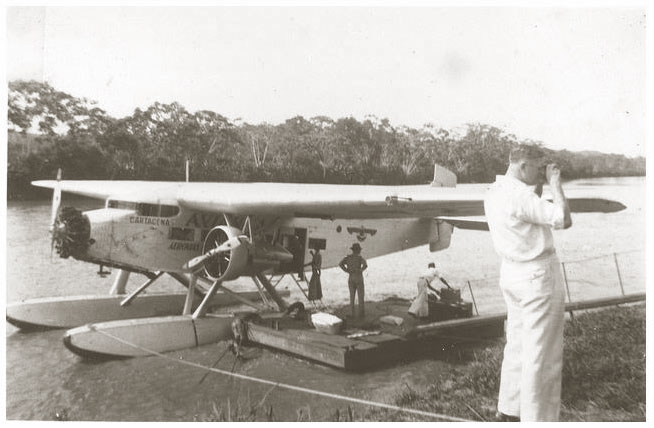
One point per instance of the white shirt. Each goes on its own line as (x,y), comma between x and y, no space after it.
(430,274)
(520,221)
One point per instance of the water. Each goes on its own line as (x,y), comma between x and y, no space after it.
(44,379)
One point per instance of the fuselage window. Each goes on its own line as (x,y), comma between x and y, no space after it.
(317,244)
(146,210)
(182,234)
(122,205)
(169,210)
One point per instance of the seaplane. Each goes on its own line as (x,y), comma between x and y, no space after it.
(207,234)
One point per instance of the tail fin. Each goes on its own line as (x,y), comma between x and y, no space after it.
(443,177)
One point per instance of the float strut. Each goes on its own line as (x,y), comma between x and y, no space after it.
(127,300)
(188,304)
(120,283)
(271,290)
(202,309)
(239,298)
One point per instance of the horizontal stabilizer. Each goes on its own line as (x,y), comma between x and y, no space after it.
(594,205)
(466,222)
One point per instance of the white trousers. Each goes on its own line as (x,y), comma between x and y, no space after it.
(420,306)
(530,385)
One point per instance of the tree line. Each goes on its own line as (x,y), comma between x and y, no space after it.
(49,129)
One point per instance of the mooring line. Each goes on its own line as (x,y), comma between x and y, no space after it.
(291,387)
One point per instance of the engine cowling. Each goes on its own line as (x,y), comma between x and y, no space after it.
(227,265)
(71,233)
(244,259)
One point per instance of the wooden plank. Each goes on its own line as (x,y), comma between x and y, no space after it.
(389,348)
(328,349)
(334,350)
(495,319)
(605,301)
(381,339)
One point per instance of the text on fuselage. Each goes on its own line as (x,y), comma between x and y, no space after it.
(155,221)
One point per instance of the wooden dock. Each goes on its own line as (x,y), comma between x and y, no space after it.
(367,343)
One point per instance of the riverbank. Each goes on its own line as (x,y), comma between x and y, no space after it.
(603,379)
(603,374)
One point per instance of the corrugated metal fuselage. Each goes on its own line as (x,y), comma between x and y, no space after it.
(126,238)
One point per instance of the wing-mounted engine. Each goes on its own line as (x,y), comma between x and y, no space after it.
(229,254)
(71,233)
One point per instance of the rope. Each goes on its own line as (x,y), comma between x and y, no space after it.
(604,256)
(495,278)
(291,387)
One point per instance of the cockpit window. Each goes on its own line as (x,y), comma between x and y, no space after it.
(122,205)
(169,210)
(146,210)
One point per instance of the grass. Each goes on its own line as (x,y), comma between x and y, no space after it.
(603,379)
(603,374)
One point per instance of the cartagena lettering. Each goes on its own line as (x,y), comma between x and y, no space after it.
(154,221)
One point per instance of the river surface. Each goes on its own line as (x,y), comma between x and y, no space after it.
(44,380)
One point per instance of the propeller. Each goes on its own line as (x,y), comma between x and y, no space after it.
(228,245)
(56,205)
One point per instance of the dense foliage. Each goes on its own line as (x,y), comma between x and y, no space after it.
(49,129)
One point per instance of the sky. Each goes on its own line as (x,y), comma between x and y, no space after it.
(570,77)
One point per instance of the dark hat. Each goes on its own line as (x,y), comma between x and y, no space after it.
(355,247)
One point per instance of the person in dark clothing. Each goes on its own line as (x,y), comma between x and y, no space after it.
(315,288)
(354,264)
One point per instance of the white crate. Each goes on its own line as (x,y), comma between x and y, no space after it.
(326,323)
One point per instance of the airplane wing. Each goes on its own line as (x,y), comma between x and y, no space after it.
(287,199)
(332,201)
(136,191)
(311,200)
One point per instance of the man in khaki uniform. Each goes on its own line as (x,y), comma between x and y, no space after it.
(354,264)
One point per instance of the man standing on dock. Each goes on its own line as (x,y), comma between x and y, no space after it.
(521,223)
(354,265)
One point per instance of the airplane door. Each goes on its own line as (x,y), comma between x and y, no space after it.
(295,243)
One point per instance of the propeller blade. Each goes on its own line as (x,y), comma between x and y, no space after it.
(230,244)
(56,199)
(56,204)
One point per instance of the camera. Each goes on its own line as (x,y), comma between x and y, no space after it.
(542,171)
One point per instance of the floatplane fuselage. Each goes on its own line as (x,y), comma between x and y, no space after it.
(213,233)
